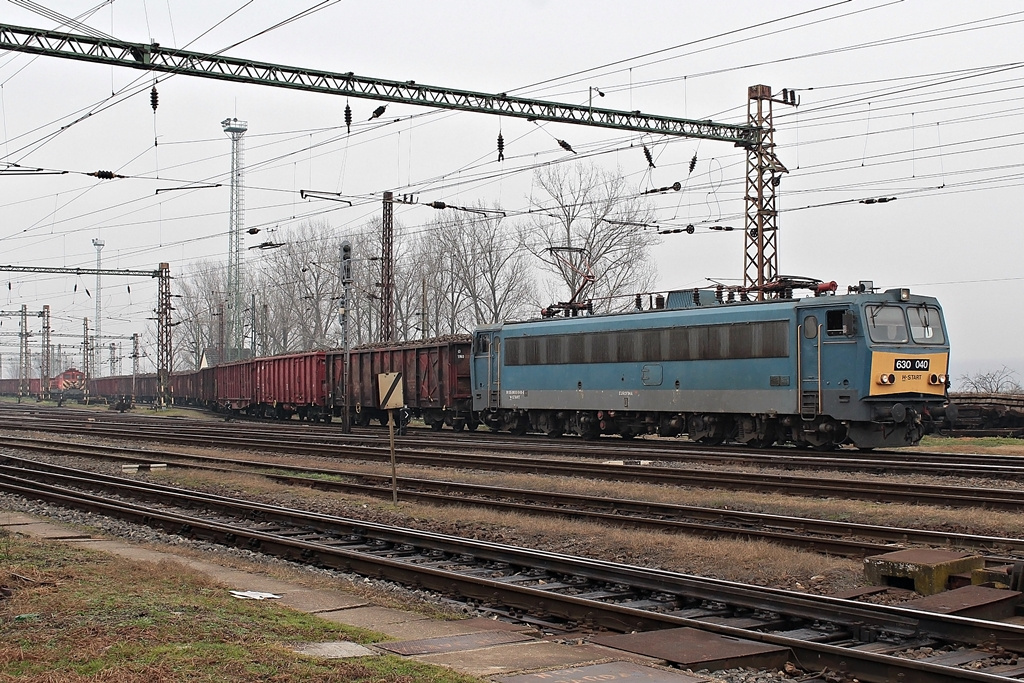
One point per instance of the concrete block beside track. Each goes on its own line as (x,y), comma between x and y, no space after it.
(925,571)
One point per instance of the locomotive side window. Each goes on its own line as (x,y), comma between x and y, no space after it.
(886,324)
(762,339)
(925,325)
(840,321)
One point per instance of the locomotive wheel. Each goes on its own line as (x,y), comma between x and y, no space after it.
(712,440)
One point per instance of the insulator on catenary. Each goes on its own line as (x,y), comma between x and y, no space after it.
(378,112)
(650,159)
(501,148)
(105,175)
(348,118)
(154,98)
(566,146)
(693,162)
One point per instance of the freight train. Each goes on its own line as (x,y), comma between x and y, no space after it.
(69,384)
(867,368)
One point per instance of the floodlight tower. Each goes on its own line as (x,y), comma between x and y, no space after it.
(97,324)
(236,129)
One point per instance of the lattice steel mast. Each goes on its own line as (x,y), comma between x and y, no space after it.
(23,358)
(236,223)
(387,270)
(97,322)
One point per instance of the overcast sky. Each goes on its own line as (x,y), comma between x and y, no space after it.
(920,100)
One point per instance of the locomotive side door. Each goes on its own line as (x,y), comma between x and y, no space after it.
(486,370)
(494,400)
(809,362)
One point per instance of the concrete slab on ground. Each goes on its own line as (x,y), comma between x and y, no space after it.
(43,530)
(339,649)
(696,649)
(465,641)
(371,616)
(316,601)
(626,672)
(422,629)
(507,659)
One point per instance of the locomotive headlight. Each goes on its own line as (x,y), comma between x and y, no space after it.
(937,379)
(887,379)
(905,294)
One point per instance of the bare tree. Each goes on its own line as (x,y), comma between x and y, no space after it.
(1002,381)
(305,277)
(489,264)
(595,215)
(198,312)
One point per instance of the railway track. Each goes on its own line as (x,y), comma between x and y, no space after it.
(664,451)
(823,486)
(824,536)
(861,639)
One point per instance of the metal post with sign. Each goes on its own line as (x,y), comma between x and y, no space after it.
(389,386)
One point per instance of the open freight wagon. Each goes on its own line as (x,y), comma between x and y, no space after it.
(436,383)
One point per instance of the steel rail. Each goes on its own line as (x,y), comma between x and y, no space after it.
(875,490)
(824,536)
(935,463)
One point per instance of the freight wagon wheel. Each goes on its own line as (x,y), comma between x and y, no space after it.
(436,425)
(458,424)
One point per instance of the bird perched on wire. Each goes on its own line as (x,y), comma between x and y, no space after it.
(378,112)
(566,146)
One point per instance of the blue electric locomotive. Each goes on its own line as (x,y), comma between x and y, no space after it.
(868,368)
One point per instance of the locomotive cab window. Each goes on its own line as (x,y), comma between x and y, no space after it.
(887,324)
(810,327)
(483,344)
(926,325)
(840,322)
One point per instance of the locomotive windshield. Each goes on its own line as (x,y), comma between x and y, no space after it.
(887,324)
(926,324)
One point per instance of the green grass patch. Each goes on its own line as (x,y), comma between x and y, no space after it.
(76,615)
(932,441)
